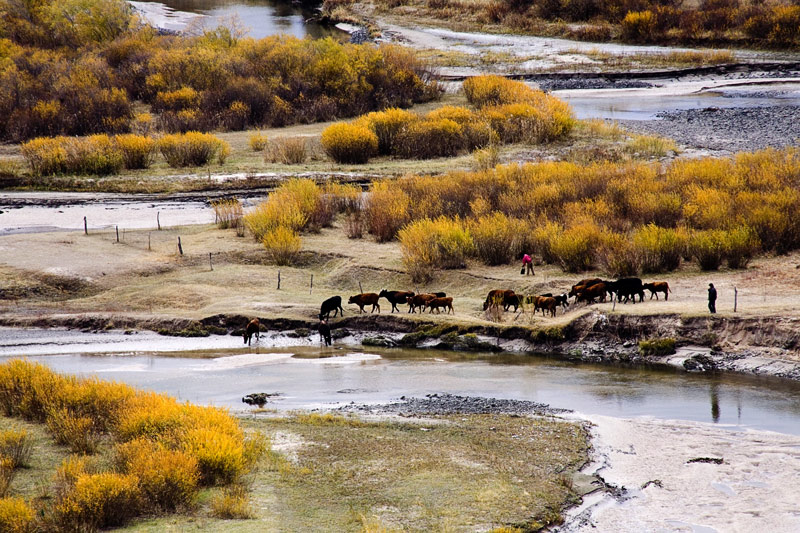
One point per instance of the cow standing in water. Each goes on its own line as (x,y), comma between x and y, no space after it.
(253,328)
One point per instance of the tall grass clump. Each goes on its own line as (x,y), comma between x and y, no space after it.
(429,244)
(286,150)
(7,474)
(651,146)
(16,516)
(232,504)
(349,143)
(137,151)
(257,141)
(282,245)
(228,213)
(192,149)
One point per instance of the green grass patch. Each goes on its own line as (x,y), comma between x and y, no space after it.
(657,347)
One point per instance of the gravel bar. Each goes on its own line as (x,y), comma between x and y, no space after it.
(449,404)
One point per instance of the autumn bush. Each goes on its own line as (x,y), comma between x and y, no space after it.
(17,446)
(98,501)
(168,478)
(740,246)
(96,154)
(192,149)
(349,143)
(286,150)
(228,213)
(498,239)
(426,139)
(16,516)
(257,141)
(282,245)
(708,247)
(430,244)
(661,248)
(387,125)
(137,151)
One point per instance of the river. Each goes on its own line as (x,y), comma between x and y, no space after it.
(218,370)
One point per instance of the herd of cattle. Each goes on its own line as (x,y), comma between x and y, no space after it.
(587,290)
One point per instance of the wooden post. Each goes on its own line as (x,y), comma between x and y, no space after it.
(180,248)
(359,287)
(209,261)
(311,287)
(123,234)
(158,219)
(279,280)
(735,298)
(85,227)
(117,228)
(148,242)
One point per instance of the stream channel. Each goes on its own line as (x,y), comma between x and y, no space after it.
(218,370)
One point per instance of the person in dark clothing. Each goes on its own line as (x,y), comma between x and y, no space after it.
(325,332)
(712,298)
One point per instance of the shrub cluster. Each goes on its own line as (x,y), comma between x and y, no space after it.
(69,69)
(429,244)
(192,149)
(626,218)
(509,112)
(164,449)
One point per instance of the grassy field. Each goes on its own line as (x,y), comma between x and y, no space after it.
(331,473)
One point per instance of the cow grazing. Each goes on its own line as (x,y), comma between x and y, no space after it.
(562,300)
(436,303)
(418,300)
(629,288)
(334,303)
(366,298)
(590,294)
(656,287)
(395,297)
(496,297)
(253,328)
(582,284)
(545,303)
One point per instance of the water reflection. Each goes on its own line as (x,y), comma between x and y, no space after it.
(306,380)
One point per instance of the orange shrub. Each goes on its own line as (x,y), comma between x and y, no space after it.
(426,139)
(386,210)
(137,151)
(387,125)
(192,149)
(348,143)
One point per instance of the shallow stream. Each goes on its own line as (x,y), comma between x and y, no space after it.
(218,370)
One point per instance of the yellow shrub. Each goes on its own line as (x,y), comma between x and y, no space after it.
(282,245)
(575,248)
(16,516)
(459,115)
(183,98)
(73,430)
(429,244)
(498,239)
(517,123)
(651,146)
(138,151)
(228,213)
(17,446)
(426,139)
(167,478)
(45,156)
(386,125)
(7,473)
(257,141)
(491,90)
(619,256)
(741,244)
(96,154)
(142,123)
(270,214)
(661,248)
(98,501)
(709,247)
(707,207)
(192,149)
(386,210)
(640,26)
(348,143)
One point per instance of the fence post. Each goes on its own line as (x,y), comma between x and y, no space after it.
(117,228)
(158,219)
(735,298)
(148,242)
(209,261)
(359,287)
(311,287)
(85,227)
(180,248)
(279,279)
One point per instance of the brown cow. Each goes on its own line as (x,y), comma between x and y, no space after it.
(582,284)
(656,287)
(366,298)
(516,300)
(253,328)
(589,294)
(545,303)
(419,300)
(436,303)
(497,297)
(395,297)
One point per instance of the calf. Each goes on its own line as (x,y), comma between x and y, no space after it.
(365,298)
(545,303)
(562,300)
(418,300)
(334,303)
(496,297)
(436,303)
(395,297)
(514,299)
(253,328)
(656,287)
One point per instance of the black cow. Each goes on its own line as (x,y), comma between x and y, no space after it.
(334,303)
(628,288)
(395,297)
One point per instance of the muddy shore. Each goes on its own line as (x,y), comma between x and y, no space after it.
(766,346)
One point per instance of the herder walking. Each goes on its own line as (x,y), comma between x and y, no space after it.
(712,298)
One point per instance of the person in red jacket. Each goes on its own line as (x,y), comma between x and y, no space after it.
(527,265)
